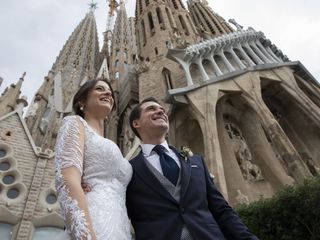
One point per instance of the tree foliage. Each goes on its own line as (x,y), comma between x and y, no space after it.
(292,214)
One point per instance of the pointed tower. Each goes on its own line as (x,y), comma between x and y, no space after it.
(208,23)
(123,77)
(9,97)
(76,63)
(161,25)
(121,51)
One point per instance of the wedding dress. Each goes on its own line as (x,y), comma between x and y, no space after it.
(104,169)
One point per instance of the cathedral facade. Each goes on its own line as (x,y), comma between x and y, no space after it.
(231,95)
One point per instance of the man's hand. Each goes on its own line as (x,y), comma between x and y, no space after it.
(86,187)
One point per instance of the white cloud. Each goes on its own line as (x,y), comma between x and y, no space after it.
(33,32)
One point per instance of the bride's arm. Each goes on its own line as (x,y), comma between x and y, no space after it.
(69,168)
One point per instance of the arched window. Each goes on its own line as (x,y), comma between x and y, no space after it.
(160,19)
(169,17)
(156,50)
(167,78)
(151,24)
(143,31)
(183,25)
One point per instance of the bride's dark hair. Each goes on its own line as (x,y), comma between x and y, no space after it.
(82,94)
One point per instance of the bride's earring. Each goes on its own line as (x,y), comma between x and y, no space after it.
(81,108)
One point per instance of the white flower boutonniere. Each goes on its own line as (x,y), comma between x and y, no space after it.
(186,152)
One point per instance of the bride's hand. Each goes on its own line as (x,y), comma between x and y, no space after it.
(86,187)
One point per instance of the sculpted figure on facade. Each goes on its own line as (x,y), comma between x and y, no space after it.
(176,38)
(241,198)
(250,171)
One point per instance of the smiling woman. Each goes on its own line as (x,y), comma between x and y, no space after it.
(85,157)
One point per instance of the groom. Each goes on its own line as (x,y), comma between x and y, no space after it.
(171,197)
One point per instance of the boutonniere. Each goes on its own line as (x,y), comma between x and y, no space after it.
(186,152)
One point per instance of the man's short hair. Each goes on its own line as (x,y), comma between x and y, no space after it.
(136,113)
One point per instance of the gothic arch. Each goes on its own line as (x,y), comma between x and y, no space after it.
(302,130)
(249,161)
(208,68)
(187,131)
(167,79)
(231,60)
(242,59)
(195,73)
(221,64)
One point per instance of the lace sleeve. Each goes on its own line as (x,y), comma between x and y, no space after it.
(69,145)
(69,153)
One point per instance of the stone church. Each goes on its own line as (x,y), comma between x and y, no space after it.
(231,95)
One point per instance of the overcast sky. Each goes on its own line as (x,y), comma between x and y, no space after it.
(32,32)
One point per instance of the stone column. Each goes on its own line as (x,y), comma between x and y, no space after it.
(272,59)
(215,66)
(186,69)
(253,55)
(203,72)
(245,56)
(272,54)
(226,61)
(236,58)
(261,55)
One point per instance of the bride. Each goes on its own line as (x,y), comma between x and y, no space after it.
(83,155)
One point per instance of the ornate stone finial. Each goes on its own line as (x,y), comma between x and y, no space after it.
(93,6)
(237,25)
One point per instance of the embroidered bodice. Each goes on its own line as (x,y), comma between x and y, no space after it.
(104,169)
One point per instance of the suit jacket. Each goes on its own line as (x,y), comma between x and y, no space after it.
(156,215)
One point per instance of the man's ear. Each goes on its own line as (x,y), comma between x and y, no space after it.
(136,124)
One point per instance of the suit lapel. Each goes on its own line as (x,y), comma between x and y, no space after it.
(185,173)
(141,168)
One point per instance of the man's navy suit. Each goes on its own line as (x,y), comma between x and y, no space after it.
(156,215)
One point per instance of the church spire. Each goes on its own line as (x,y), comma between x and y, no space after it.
(121,51)
(76,63)
(209,23)
(9,97)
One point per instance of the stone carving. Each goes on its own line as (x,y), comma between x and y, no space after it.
(176,38)
(241,198)
(142,65)
(237,25)
(250,171)
(312,166)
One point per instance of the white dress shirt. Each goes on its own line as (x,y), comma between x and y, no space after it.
(153,158)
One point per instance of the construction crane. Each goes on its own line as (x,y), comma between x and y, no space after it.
(113,4)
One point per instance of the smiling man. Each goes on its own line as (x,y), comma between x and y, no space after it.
(170,197)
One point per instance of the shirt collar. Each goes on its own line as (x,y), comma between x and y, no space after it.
(147,148)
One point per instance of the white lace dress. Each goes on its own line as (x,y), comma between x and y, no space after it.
(103,167)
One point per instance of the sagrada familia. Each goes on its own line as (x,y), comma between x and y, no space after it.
(230,93)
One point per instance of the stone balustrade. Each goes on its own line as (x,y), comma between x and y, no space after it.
(227,53)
